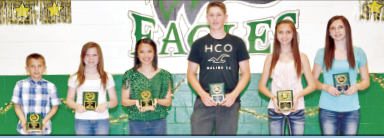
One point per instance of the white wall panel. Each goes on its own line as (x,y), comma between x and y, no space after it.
(107,23)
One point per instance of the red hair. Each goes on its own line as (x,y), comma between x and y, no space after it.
(100,66)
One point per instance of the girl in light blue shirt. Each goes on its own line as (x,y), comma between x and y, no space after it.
(339,104)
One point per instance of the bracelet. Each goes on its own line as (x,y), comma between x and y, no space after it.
(324,87)
(107,105)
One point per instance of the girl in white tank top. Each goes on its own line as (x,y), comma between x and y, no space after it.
(285,66)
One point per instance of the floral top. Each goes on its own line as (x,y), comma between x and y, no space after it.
(158,85)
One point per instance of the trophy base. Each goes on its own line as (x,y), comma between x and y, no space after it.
(90,105)
(146,103)
(218,98)
(342,88)
(34,126)
(285,106)
(146,108)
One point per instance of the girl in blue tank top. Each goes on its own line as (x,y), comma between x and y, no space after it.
(340,62)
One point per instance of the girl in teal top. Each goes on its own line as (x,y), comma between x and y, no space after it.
(339,104)
(146,92)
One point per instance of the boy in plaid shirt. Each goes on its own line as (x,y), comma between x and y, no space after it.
(34,95)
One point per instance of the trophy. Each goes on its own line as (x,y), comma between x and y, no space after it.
(146,100)
(34,122)
(217,92)
(285,100)
(90,100)
(341,82)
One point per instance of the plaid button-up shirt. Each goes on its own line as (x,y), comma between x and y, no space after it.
(35,97)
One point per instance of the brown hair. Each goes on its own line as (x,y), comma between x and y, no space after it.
(217,4)
(100,66)
(34,56)
(329,52)
(294,46)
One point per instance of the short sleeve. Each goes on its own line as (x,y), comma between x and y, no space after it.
(319,59)
(16,97)
(167,81)
(72,81)
(242,53)
(362,57)
(111,82)
(125,82)
(54,95)
(194,55)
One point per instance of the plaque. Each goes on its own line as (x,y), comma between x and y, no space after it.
(34,122)
(217,92)
(146,100)
(90,100)
(341,82)
(285,100)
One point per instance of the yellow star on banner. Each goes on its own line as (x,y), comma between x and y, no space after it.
(375,7)
(54,10)
(22,11)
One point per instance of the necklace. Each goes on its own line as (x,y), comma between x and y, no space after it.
(91,75)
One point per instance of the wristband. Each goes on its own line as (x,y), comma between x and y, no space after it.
(107,105)
(325,87)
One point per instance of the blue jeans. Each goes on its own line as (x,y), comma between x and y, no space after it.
(155,127)
(296,122)
(92,127)
(332,122)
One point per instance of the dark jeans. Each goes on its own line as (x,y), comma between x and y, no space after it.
(332,122)
(92,127)
(296,122)
(224,119)
(155,127)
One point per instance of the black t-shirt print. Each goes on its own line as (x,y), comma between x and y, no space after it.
(219,60)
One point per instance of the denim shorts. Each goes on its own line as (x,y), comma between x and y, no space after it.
(155,127)
(296,122)
(92,127)
(331,122)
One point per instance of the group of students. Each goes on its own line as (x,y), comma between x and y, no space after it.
(219,57)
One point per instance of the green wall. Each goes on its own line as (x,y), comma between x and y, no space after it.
(178,122)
